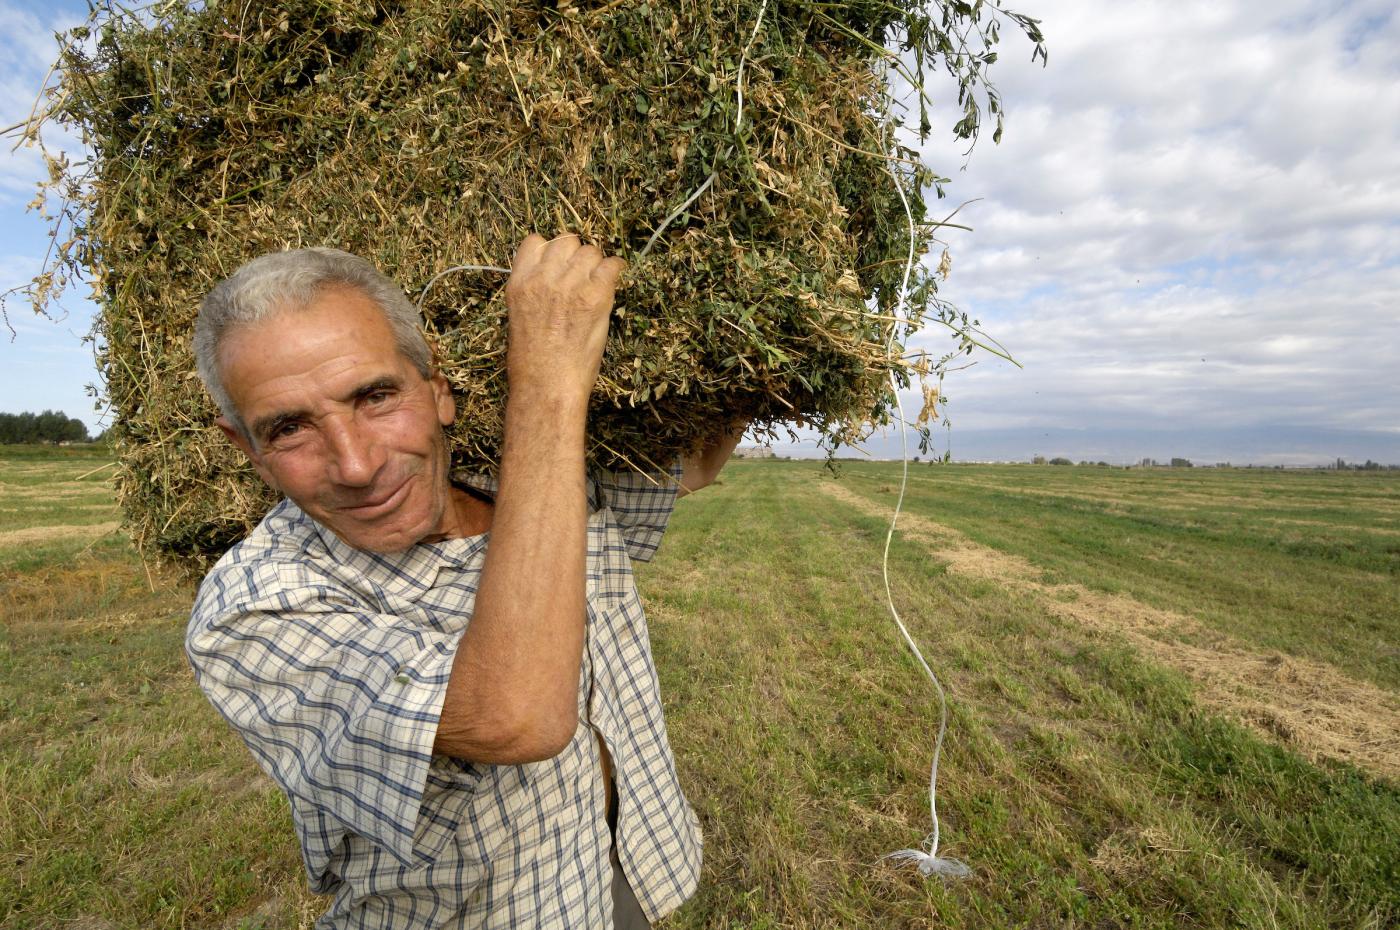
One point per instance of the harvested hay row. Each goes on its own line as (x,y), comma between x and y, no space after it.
(32,535)
(428,134)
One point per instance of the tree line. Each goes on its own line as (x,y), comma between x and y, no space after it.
(49,426)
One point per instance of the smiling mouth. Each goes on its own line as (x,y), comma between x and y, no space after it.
(373,510)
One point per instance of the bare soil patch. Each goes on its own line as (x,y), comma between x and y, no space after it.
(1309,705)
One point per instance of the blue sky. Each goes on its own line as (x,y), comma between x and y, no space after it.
(1192,224)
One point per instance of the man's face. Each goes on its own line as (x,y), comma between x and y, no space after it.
(341,422)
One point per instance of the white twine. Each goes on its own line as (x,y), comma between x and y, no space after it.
(738,125)
(694,196)
(447,271)
(929,863)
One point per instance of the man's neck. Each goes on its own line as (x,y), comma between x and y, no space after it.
(465,516)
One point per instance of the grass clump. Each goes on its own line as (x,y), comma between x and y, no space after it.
(428,134)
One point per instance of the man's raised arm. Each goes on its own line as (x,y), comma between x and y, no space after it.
(512,696)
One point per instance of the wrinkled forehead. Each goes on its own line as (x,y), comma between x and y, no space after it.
(340,332)
(330,308)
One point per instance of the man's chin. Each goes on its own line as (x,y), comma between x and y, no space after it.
(383,540)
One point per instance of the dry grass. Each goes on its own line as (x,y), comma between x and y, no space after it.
(51,532)
(1182,501)
(1312,707)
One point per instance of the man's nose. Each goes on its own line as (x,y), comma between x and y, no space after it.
(355,456)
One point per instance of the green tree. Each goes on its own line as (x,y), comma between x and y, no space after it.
(49,426)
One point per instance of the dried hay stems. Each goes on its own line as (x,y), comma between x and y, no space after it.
(428,134)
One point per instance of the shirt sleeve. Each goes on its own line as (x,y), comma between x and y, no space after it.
(340,704)
(642,505)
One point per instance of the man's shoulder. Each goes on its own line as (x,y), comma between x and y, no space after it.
(284,553)
(285,534)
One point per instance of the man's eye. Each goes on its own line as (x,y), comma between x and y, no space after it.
(377,397)
(285,430)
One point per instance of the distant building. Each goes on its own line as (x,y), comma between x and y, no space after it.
(754,452)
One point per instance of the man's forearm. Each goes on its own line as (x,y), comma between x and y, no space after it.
(513,692)
(514,686)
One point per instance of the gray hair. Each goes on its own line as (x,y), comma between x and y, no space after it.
(292,280)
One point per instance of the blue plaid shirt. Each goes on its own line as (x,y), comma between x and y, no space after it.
(332,664)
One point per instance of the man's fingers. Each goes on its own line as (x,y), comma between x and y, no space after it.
(608,271)
(586,257)
(561,248)
(582,263)
(529,252)
(567,262)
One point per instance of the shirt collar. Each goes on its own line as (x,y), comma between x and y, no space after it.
(407,574)
(413,572)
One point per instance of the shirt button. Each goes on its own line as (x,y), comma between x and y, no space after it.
(401,678)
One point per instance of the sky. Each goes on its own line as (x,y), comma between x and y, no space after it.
(1188,238)
(43,364)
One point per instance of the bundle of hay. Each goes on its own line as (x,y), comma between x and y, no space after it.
(428,134)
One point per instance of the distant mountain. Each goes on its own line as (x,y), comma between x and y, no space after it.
(1254,445)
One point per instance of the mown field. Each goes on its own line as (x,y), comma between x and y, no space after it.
(1175,702)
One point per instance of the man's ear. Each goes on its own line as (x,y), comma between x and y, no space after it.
(442,399)
(235,436)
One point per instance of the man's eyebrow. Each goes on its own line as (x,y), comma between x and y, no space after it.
(386,383)
(264,427)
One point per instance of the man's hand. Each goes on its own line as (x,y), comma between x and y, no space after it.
(560,295)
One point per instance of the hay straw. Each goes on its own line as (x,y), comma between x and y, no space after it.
(435,134)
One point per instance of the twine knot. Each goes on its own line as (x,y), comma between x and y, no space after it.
(930,865)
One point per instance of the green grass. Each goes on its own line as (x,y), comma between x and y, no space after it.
(1222,545)
(55,503)
(125,798)
(1085,786)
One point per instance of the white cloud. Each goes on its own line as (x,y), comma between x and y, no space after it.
(1192,220)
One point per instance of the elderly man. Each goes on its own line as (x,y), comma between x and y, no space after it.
(452,682)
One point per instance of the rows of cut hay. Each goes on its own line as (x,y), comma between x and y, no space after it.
(428,134)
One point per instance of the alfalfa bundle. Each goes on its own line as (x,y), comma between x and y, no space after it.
(428,134)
